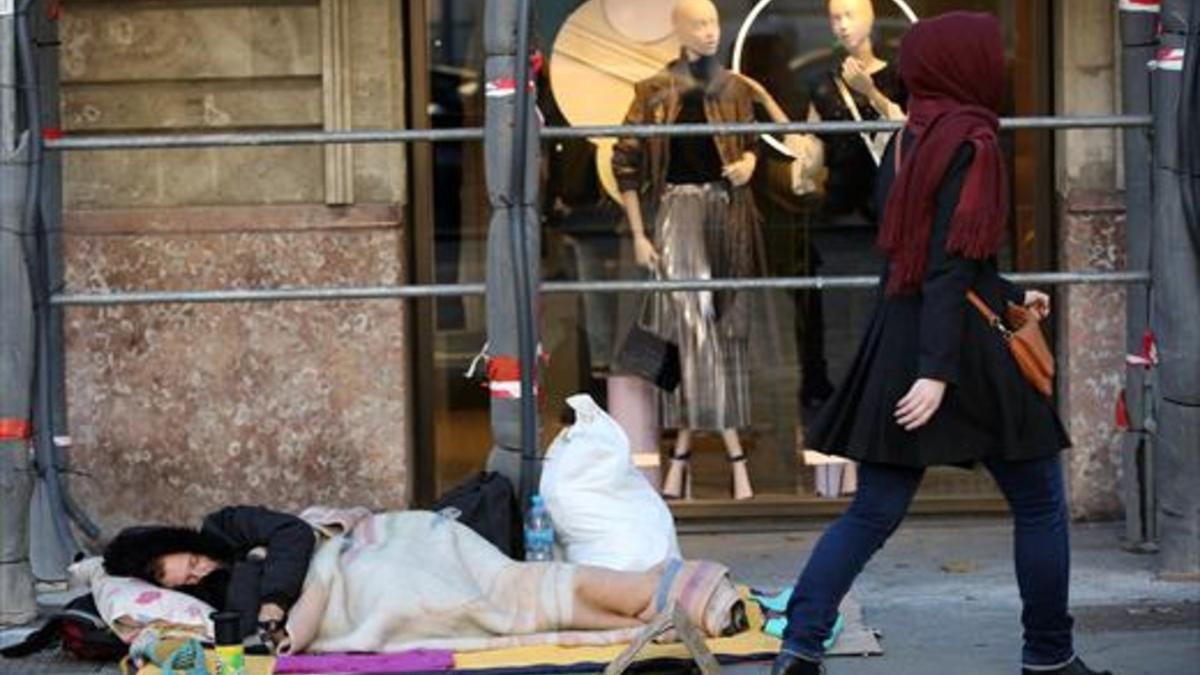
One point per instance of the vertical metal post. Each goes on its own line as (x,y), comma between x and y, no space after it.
(17,602)
(511,155)
(1139,38)
(1175,308)
(53,543)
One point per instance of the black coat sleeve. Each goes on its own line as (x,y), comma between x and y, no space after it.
(1012,292)
(947,278)
(289,542)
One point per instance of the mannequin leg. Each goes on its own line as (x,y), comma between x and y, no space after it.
(740,475)
(678,482)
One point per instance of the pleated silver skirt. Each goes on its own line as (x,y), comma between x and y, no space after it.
(714,392)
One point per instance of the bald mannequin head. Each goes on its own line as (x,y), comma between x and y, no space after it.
(851,22)
(698,27)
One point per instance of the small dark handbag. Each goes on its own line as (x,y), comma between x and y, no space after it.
(648,355)
(1023,335)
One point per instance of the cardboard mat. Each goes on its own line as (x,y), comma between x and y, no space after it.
(751,645)
(856,639)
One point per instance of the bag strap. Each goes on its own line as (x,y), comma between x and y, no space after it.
(848,99)
(649,299)
(992,318)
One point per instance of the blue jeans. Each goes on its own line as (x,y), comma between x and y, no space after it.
(1034,490)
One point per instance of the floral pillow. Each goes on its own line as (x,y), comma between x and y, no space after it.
(130,605)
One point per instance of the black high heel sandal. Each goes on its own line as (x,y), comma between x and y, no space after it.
(685,481)
(740,459)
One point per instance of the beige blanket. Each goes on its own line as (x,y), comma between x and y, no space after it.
(415,579)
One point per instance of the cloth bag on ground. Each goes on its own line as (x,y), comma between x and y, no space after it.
(605,511)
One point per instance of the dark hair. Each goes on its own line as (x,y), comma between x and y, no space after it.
(135,551)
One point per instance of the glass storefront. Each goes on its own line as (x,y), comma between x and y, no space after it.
(797,344)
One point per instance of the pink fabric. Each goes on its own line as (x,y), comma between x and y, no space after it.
(417,661)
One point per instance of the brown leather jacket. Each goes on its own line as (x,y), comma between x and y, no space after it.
(641,165)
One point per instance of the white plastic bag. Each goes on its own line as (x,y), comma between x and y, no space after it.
(605,512)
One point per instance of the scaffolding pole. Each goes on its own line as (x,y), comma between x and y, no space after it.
(1139,37)
(52,542)
(17,600)
(113,298)
(511,158)
(281,138)
(1176,298)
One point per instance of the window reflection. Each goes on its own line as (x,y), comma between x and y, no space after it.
(596,51)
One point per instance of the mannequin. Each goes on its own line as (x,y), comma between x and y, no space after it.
(875,89)
(704,221)
(847,164)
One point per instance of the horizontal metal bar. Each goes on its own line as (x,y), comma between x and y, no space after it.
(846,127)
(622,286)
(268,295)
(838,282)
(268,138)
(261,138)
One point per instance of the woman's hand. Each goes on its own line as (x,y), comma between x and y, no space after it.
(644,252)
(920,403)
(1038,302)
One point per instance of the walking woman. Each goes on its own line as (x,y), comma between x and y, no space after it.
(933,383)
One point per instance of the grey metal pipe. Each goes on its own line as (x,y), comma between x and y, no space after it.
(263,138)
(18,601)
(523,271)
(60,546)
(1176,299)
(83,299)
(847,127)
(149,141)
(1139,37)
(8,85)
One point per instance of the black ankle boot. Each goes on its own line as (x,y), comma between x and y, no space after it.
(790,664)
(1076,667)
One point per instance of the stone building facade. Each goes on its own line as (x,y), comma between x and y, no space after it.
(177,409)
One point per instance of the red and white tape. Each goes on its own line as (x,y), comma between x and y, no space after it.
(1168,58)
(1149,6)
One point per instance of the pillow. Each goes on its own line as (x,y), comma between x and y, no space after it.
(130,605)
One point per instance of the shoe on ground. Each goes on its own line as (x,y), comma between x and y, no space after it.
(790,664)
(1076,667)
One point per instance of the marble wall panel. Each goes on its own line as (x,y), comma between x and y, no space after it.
(1091,348)
(178,409)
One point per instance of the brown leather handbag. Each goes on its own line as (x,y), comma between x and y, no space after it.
(1023,334)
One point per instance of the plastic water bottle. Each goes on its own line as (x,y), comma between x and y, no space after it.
(539,532)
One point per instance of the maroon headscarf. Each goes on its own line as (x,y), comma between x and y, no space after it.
(953,67)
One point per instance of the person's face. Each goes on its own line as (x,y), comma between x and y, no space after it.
(851,21)
(698,27)
(183,569)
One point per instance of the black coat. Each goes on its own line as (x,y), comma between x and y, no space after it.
(989,410)
(251,581)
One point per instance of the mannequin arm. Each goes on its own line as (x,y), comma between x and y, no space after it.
(883,105)
(643,248)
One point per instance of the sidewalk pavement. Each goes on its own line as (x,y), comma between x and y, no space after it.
(943,596)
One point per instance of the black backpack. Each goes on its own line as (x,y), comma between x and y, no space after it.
(79,629)
(487,504)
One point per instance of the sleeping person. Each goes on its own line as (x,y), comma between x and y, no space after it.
(405,580)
